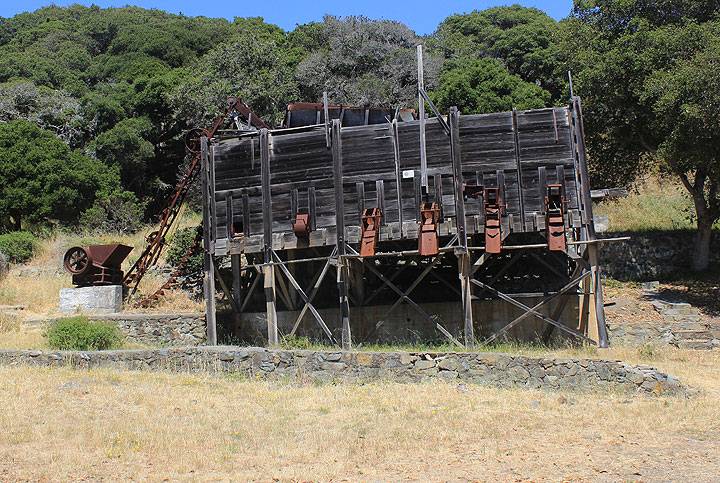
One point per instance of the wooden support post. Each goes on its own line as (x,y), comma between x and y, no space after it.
(421,114)
(597,309)
(229,216)
(208,262)
(342,269)
(268,270)
(398,175)
(466,293)
(236,265)
(462,253)
(246,214)
(518,161)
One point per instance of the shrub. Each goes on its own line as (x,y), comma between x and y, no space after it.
(79,333)
(118,212)
(179,245)
(18,246)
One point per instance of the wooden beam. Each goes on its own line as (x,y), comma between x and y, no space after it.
(421,114)
(208,263)
(268,270)
(342,268)
(398,174)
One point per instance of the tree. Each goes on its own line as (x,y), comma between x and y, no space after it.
(50,109)
(126,147)
(686,103)
(646,71)
(364,62)
(41,179)
(485,85)
(251,65)
(523,39)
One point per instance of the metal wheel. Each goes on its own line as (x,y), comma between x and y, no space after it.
(192,139)
(76,261)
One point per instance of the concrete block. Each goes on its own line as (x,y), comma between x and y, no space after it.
(92,300)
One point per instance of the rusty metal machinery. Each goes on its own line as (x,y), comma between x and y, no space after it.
(236,109)
(96,264)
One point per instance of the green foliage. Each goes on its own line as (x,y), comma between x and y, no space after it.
(289,342)
(181,241)
(252,66)
(485,85)
(116,212)
(42,179)
(362,61)
(81,334)
(126,147)
(18,246)
(523,39)
(648,73)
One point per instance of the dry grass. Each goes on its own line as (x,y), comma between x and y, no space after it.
(60,424)
(656,204)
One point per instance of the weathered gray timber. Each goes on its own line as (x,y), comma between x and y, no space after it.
(404,212)
(515,144)
(489,369)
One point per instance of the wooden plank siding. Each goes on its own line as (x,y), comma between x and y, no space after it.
(299,159)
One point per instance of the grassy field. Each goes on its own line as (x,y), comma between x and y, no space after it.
(62,424)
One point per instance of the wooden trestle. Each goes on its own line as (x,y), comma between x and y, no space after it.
(290,206)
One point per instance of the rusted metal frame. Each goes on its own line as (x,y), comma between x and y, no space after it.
(415,306)
(315,287)
(533,310)
(208,262)
(342,269)
(305,299)
(152,251)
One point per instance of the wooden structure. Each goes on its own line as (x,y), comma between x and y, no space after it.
(452,209)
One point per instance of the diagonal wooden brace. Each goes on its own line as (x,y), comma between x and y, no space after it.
(533,310)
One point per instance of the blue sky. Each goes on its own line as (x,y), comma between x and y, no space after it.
(421,15)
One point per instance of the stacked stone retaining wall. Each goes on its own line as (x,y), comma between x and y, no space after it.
(651,255)
(492,369)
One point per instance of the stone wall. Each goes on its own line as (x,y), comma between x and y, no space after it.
(650,255)
(160,329)
(492,369)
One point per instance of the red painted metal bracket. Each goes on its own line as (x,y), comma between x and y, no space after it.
(494,209)
(555,218)
(428,243)
(371,219)
(301,225)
